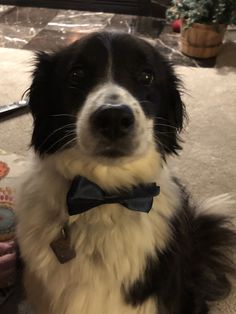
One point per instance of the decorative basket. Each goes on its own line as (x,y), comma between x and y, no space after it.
(201,40)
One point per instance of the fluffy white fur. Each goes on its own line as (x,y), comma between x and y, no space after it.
(111,242)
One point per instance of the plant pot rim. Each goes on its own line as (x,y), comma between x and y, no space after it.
(203,25)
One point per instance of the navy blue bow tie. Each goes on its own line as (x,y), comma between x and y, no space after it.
(84,195)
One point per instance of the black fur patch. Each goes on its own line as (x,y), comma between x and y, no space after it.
(194,268)
(55,98)
(57,95)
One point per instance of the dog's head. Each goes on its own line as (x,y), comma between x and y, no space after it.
(109,95)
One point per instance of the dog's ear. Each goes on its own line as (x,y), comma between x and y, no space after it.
(40,87)
(171,116)
(176,112)
(51,121)
(40,98)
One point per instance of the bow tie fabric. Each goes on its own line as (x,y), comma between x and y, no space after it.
(84,195)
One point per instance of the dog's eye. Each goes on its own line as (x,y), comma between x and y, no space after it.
(145,77)
(77,75)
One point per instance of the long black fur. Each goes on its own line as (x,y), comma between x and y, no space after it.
(195,267)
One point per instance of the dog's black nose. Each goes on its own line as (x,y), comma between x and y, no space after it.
(113,121)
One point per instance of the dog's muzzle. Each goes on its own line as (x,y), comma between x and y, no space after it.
(113,128)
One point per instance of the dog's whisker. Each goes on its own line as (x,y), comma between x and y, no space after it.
(165,125)
(161,118)
(67,144)
(160,142)
(55,131)
(160,132)
(58,141)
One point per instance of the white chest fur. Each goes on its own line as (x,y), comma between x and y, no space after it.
(111,245)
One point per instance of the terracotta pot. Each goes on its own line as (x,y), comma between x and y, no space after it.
(201,40)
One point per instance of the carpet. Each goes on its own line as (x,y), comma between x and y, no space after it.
(206,164)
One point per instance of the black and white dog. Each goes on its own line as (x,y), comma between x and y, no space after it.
(107,112)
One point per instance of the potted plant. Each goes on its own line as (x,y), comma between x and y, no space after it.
(203,24)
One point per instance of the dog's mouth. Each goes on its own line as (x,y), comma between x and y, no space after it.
(94,145)
(112,153)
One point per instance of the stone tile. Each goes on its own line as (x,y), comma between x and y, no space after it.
(230,34)
(148,26)
(168,43)
(51,40)
(5,8)
(28,17)
(16,37)
(226,59)
(121,22)
(77,21)
(174,55)
(46,29)
(169,37)
(206,63)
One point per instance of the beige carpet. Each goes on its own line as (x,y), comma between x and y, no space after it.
(15,77)
(208,161)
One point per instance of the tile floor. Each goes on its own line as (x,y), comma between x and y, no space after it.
(48,29)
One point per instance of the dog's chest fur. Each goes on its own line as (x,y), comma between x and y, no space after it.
(111,243)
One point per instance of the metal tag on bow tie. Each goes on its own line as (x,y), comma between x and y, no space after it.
(62,248)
